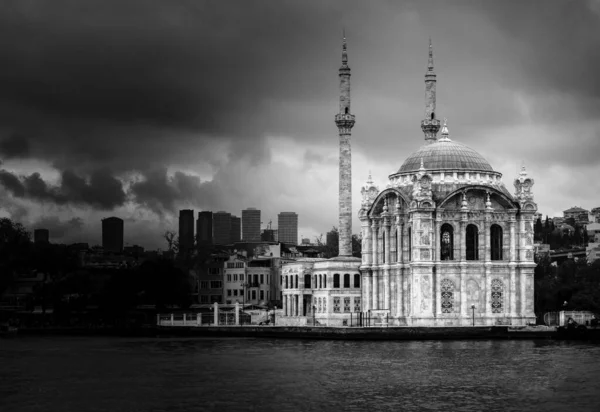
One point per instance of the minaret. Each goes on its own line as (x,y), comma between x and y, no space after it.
(345,121)
(430,125)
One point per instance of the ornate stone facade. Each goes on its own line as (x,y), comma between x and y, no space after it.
(443,244)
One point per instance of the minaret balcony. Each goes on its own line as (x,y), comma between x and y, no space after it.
(430,123)
(345,121)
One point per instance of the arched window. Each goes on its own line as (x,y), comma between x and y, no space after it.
(472,242)
(325,280)
(296,281)
(346,111)
(447,294)
(356,281)
(409,244)
(286,282)
(497,296)
(320,281)
(496,242)
(346,280)
(432,115)
(336,280)
(447,242)
(307,281)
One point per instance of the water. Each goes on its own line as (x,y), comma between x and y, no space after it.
(117,374)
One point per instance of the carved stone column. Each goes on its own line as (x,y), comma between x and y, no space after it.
(386,240)
(374,236)
(485,288)
(399,238)
(367,242)
(463,265)
(375,289)
(437,238)
(512,284)
(366,290)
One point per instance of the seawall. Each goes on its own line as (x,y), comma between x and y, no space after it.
(338,333)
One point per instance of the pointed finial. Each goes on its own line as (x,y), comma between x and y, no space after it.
(445,132)
(422,167)
(344,52)
(430,61)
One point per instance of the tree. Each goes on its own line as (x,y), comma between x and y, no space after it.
(331,246)
(538,229)
(15,251)
(172,242)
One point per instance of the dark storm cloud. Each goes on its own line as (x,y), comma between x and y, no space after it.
(101,190)
(12,183)
(556,44)
(161,193)
(107,71)
(58,228)
(14,146)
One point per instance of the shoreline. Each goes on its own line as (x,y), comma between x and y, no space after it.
(324,332)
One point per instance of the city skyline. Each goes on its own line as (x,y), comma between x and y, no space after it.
(512,87)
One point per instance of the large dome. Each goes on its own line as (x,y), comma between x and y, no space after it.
(446,154)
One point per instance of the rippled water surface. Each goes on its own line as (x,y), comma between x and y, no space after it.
(113,374)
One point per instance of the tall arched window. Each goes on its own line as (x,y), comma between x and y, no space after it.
(307,281)
(336,280)
(409,243)
(286,282)
(325,280)
(320,281)
(296,281)
(447,295)
(346,280)
(472,242)
(497,296)
(356,281)
(447,242)
(496,242)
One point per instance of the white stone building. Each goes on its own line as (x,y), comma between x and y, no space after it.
(444,244)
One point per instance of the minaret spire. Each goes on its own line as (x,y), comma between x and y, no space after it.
(345,121)
(430,125)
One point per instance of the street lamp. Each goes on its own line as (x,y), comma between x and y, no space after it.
(473,308)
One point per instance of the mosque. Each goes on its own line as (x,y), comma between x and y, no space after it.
(444,244)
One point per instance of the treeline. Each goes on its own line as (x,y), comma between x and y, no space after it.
(547,232)
(71,291)
(572,285)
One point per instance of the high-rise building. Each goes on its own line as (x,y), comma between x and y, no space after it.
(251,225)
(287,223)
(204,228)
(186,230)
(112,234)
(222,228)
(236,229)
(41,235)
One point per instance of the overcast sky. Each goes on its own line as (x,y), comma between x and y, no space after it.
(140,108)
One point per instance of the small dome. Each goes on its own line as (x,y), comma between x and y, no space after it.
(446,154)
